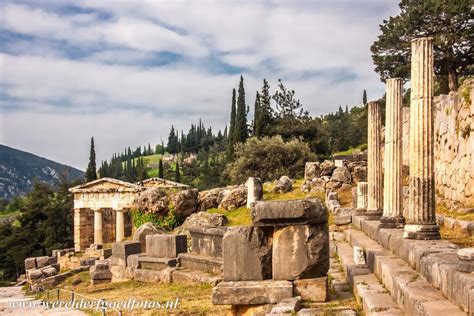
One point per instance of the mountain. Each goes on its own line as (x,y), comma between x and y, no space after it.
(19,170)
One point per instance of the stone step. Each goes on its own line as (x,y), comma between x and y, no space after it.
(200,263)
(413,294)
(369,292)
(435,260)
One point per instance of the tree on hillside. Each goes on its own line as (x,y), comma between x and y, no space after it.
(364,97)
(269,158)
(266,111)
(173,142)
(240,132)
(177,176)
(233,113)
(91,172)
(287,106)
(161,172)
(450,23)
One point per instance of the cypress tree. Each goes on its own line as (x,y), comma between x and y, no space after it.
(233,113)
(160,170)
(257,120)
(364,97)
(266,113)
(241,131)
(177,176)
(91,172)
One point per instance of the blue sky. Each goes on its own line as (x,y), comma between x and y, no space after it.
(124,71)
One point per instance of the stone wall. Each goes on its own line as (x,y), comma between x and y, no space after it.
(454,144)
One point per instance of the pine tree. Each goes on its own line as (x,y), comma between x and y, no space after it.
(450,25)
(364,97)
(230,148)
(177,176)
(160,170)
(241,130)
(91,172)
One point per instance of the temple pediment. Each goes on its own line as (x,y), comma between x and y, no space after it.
(105,185)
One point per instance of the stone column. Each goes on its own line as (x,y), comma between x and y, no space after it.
(361,198)
(392,189)
(421,220)
(374,162)
(77,229)
(254,190)
(119,225)
(97,227)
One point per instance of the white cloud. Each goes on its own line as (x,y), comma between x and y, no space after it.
(111,91)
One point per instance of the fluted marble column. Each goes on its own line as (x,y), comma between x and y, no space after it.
(374,162)
(392,189)
(421,219)
(119,226)
(97,227)
(361,198)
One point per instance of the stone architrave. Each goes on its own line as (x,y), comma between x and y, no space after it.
(254,190)
(421,219)
(374,162)
(392,190)
(362,188)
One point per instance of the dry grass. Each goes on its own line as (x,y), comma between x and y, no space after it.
(193,298)
(456,236)
(345,198)
(442,208)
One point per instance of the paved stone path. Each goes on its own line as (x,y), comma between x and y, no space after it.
(15,294)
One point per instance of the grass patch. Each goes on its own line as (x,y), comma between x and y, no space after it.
(351,151)
(193,298)
(294,194)
(237,217)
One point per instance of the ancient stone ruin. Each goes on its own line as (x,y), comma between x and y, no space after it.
(257,273)
(102,207)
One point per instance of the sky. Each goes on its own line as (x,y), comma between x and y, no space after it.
(125,71)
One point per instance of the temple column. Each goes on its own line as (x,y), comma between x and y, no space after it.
(77,229)
(374,162)
(119,225)
(361,198)
(392,190)
(97,227)
(421,219)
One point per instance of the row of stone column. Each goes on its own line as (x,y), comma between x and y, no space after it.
(384,189)
(119,226)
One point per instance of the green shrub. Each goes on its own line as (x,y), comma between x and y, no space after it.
(168,222)
(269,158)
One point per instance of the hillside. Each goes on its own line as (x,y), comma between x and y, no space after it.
(19,170)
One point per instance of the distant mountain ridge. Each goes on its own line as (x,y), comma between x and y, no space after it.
(19,170)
